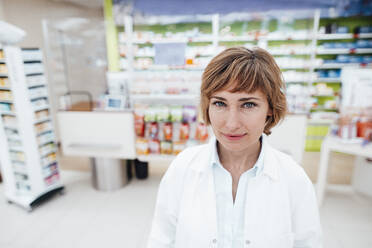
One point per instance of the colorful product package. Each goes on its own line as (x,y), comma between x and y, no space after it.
(4,82)
(167,131)
(153,130)
(176,113)
(154,146)
(178,146)
(176,132)
(166,147)
(202,132)
(139,124)
(142,147)
(189,114)
(193,127)
(150,114)
(162,113)
(184,131)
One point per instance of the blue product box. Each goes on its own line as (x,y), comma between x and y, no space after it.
(329,45)
(342,58)
(340,45)
(351,45)
(329,61)
(367,59)
(355,59)
(362,43)
(342,30)
(322,73)
(334,73)
(365,29)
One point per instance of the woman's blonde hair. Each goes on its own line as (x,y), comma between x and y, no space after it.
(245,70)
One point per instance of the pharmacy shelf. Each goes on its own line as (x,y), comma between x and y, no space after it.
(276,37)
(45,154)
(42,120)
(324,109)
(156,157)
(171,40)
(38,97)
(20,169)
(323,95)
(26,201)
(295,67)
(237,39)
(15,138)
(323,51)
(296,81)
(41,108)
(337,65)
(167,68)
(320,121)
(281,37)
(143,56)
(32,60)
(144,97)
(35,188)
(16,149)
(11,127)
(344,36)
(35,73)
(6,101)
(7,113)
(5,88)
(328,80)
(44,131)
(294,51)
(3,75)
(38,84)
(2,61)
(47,142)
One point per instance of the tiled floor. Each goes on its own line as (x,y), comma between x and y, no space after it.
(84,217)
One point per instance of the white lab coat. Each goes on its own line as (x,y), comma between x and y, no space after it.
(281,209)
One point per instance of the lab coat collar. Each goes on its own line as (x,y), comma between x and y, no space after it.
(270,168)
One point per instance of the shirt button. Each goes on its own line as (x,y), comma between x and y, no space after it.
(214,241)
(247,242)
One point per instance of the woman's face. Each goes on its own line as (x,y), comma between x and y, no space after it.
(238,119)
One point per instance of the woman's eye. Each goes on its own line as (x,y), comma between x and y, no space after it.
(249,105)
(219,104)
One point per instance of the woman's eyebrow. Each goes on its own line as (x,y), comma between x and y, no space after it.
(248,99)
(240,100)
(219,98)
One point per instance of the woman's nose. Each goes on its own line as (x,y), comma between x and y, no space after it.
(232,121)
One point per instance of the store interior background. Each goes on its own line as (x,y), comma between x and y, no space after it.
(85,217)
(28,15)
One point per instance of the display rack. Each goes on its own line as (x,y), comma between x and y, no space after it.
(341,42)
(302,49)
(206,39)
(27,141)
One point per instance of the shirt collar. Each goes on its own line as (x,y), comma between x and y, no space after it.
(258,166)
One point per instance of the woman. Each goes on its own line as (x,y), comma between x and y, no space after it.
(237,191)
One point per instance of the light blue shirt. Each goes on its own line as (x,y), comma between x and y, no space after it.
(230,215)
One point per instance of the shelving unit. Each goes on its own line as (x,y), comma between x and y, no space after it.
(27,142)
(336,49)
(298,47)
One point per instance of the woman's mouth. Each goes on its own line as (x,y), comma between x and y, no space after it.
(234,137)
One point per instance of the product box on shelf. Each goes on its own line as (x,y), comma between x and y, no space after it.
(167,129)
